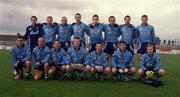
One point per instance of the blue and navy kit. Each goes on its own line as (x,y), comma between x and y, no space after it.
(41,55)
(148,62)
(122,59)
(76,56)
(112,33)
(20,54)
(58,56)
(95,34)
(49,33)
(79,30)
(65,32)
(128,34)
(145,35)
(97,59)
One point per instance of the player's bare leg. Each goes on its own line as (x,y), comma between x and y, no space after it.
(27,69)
(46,70)
(161,72)
(62,71)
(37,75)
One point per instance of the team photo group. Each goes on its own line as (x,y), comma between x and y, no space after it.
(59,50)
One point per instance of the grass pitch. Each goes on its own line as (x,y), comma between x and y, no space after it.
(108,88)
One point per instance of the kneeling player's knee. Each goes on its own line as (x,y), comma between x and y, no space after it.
(140,72)
(51,70)
(37,76)
(161,72)
(28,62)
(63,68)
(88,68)
(68,68)
(114,70)
(46,65)
(132,69)
(17,77)
(107,70)
(93,70)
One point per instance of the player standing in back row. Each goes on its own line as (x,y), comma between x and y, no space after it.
(145,35)
(79,29)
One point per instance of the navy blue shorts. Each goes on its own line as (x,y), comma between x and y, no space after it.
(130,48)
(49,44)
(92,48)
(20,65)
(82,44)
(110,47)
(65,45)
(142,48)
(40,67)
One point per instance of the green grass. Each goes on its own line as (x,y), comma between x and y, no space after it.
(109,88)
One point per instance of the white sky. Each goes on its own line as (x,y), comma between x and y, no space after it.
(164,15)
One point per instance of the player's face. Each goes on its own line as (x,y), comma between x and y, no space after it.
(112,21)
(122,47)
(150,50)
(127,20)
(33,21)
(64,20)
(20,42)
(41,42)
(49,20)
(78,18)
(57,44)
(98,47)
(144,20)
(95,20)
(76,42)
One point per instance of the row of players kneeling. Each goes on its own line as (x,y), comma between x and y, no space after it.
(49,63)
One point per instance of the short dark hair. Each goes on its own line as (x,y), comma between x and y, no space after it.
(122,42)
(77,14)
(19,36)
(77,38)
(49,17)
(95,16)
(34,17)
(111,17)
(144,16)
(127,16)
(56,40)
(99,43)
(150,45)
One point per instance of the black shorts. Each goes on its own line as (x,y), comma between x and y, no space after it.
(65,45)
(57,66)
(130,48)
(40,67)
(20,65)
(142,48)
(92,48)
(110,47)
(82,44)
(49,44)
(117,67)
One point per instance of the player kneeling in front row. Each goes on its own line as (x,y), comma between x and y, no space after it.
(122,63)
(98,63)
(150,69)
(58,60)
(76,56)
(21,56)
(41,56)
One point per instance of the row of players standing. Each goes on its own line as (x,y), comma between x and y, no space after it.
(144,33)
